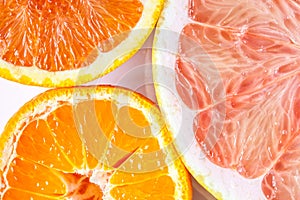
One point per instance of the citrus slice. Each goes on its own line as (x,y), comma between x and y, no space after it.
(227,79)
(63,43)
(90,143)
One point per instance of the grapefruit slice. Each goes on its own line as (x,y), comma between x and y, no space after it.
(64,43)
(90,143)
(227,79)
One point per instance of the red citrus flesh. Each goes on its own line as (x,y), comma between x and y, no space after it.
(254,46)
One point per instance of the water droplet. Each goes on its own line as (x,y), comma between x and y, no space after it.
(158,163)
(241,170)
(16,53)
(113,138)
(284,132)
(261,50)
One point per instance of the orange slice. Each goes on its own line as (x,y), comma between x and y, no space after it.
(63,43)
(227,79)
(90,143)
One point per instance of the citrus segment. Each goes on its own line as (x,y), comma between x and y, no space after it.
(91,161)
(54,43)
(37,137)
(263,118)
(45,180)
(63,131)
(55,149)
(234,78)
(282,181)
(191,85)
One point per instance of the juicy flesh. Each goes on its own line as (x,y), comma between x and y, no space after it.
(51,159)
(244,65)
(62,35)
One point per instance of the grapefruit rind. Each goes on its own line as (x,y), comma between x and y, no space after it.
(40,105)
(104,63)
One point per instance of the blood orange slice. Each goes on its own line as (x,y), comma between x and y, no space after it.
(62,43)
(90,143)
(228,79)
